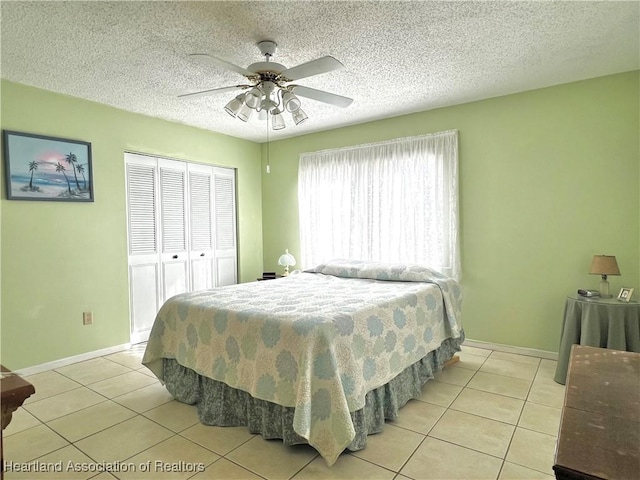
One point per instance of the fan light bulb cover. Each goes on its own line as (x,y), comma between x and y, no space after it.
(291,102)
(245,113)
(299,116)
(234,105)
(277,120)
(253,98)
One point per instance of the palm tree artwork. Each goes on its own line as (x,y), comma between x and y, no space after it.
(72,160)
(33,166)
(60,168)
(39,168)
(80,169)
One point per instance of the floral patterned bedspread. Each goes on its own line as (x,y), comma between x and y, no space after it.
(317,341)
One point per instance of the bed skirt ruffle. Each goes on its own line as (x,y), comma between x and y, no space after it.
(220,405)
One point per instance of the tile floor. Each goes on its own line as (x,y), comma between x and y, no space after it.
(493,415)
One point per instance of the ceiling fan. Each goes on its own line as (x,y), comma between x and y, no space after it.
(269,91)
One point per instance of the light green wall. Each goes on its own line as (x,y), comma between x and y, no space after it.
(60,259)
(548,178)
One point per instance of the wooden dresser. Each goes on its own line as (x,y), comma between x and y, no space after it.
(15,390)
(599,434)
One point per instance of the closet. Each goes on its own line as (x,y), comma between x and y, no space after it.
(181,220)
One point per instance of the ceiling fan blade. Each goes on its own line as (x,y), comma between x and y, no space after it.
(314,67)
(321,96)
(212,91)
(218,62)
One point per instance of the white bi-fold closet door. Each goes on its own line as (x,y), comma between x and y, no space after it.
(181,219)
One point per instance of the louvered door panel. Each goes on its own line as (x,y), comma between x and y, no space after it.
(173,225)
(201,226)
(143,240)
(225,226)
(142,209)
(173,185)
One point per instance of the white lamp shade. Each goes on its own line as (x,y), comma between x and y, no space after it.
(287,260)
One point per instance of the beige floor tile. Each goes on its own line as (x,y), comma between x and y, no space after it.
(49,383)
(128,358)
(439,393)
(489,405)
(21,419)
(347,467)
(224,469)
(271,459)
(418,416)
(454,376)
(188,457)
(220,440)
(511,471)
(123,440)
(548,366)
(31,444)
(63,404)
(67,463)
(471,431)
(483,352)
(94,370)
(469,361)
(390,448)
(88,421)
(145,398)
(511,387)
(121,384)
(146,371)
(541,418)
(174,415)
(547,393)
(533,450)
(440,460)
(507,368)
(514,357)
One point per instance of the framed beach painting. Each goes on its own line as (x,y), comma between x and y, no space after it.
(47,168)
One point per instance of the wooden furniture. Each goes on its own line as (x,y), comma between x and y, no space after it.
(597,322)
(599,434)
(15,390)
(269,276)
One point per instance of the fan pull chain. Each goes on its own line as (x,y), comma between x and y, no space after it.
(268,159)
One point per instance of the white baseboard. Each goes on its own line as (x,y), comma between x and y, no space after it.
(69,360)
(530,352)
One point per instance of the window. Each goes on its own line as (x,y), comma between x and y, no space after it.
(395,201)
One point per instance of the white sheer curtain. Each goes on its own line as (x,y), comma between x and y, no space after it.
(394,201)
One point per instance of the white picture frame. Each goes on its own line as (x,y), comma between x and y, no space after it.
(625,294)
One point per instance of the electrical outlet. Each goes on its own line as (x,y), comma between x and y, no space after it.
(87,318)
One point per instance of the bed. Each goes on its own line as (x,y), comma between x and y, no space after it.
(322,357)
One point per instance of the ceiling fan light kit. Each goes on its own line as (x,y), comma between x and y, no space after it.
(269,92)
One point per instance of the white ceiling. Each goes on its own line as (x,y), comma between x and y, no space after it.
(400,57)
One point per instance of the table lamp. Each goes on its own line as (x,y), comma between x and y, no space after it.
(604,265)
(287,260)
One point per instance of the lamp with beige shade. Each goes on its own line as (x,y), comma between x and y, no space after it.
(604,265)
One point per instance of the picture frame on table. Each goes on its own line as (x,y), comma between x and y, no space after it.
(42,168)
(625,294)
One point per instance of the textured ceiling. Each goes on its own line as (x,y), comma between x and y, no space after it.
(400,57)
